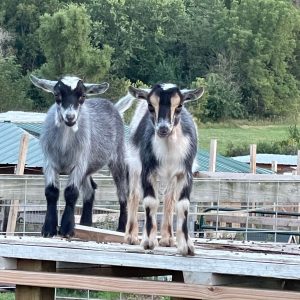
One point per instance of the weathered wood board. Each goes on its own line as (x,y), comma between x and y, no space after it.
(230,261)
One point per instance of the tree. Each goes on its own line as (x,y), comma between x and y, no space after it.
(144,35)
(65,41)
(13,86)
(262,36)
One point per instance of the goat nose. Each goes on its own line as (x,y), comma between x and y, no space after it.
(163,130)
(70,117)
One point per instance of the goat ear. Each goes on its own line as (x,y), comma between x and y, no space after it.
(138,93)
(94,89)
(44,84)
(192,95)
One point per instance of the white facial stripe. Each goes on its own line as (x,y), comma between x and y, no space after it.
(71,81)
(163,123)
(166,86)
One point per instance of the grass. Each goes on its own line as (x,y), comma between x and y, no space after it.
(7,296)
(239,134)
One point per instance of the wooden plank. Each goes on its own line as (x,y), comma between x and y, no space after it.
(22,154)
(142,287)
(253,158)
(98,235)
(219,261)
(12,217)
(212,155)
(262,247)
(33,292)
(14,207)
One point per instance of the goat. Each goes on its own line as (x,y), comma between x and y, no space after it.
(163,144)
(78,138)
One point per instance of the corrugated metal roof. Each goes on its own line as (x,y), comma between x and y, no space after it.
(22,116)
(263,158)
(33,128)
(225,164)
(10,136)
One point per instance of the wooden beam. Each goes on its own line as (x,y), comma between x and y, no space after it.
(226,260)
(33,292)
(12,217)
(212,155)
(14,207)
(98,235)
(22,154)
(144,287)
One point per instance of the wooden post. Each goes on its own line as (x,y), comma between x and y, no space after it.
(298,163)
(22,154)
(212,155)
(253,158)
(24,292)
(14,206)
(274,166)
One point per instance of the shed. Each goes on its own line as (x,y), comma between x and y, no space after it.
(285,163)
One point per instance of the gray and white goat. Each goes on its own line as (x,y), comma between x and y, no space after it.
(79,137)
(163,144)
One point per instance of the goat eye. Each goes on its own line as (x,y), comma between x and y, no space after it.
(57,97)
(82,98)
(151,108)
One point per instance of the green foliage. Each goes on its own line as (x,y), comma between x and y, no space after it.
(21,18)
(7,296)
(64,38)
(248,52)
(144,35)
(262,36)
(13,86)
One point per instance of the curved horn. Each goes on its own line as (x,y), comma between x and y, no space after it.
(44,84)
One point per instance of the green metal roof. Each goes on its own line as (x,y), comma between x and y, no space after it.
(10,134)
(33,128)
(225,164)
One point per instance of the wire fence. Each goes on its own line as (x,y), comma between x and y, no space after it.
(238,209)
(261,210)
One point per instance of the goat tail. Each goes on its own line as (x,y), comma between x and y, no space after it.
(124,103)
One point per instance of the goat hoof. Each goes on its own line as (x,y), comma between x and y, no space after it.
(167,242)
(49,229)
(131,239)
(186,248)
(149,243)
(48,234)
(121,228)
(66,233)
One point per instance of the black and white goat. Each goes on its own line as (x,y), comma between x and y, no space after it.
(79,137)
(163,145)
